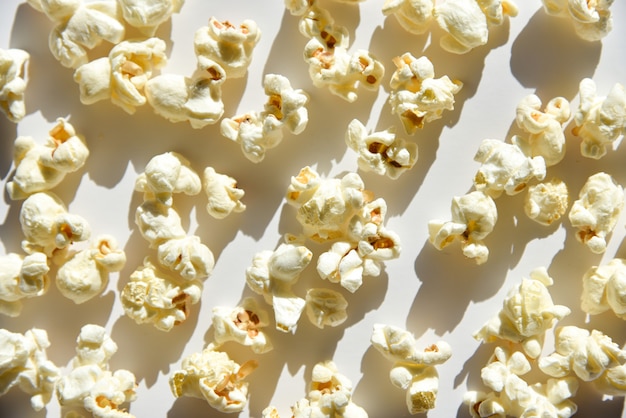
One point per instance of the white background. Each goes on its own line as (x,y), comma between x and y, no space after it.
(435,295)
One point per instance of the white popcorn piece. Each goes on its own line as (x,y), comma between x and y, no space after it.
(85,274)
(545,203)
(272,275)
(22,277)
(211,375)
(604,288)
(48,226)
(592,21)
(188,256)
(413,15)
(152,296)
(527,313)
(317,22)
(326,307)
(381,152)
(243,325)
(595,213)
(158,223)
(474,216)
(418,97)
(147,15)
(24,364)
(413,369)
(228,45)
(286,104)
(600,120)
(14,65)
(41,167)
(497,11)
(224,197)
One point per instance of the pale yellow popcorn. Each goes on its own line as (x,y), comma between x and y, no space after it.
(416,95)
(317,22)
(413,15)
(152,296)
(604,288)
(14,65)
(158,223)
(211,375)
(229,46)
(224,197)
(298,7)
(497,11)
(22,277)
(41,167)
(326,307)
(592,20)
(414,368)
(474,216)
(243,325)
(547,202)
(600,120)
(188,256)
(147,15)
(595,213)
(286,104)
(527,313)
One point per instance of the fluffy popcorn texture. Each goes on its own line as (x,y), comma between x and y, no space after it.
(24,363)
(604,288)
(272,275)
(158,223)
(41,167)
(416,95)
(48,226)
(14,65)
(188,256)
(147,15)
(326,307)
(527,313)
(122,76)
(381,152)
(22,277)
(547,202)
(224,197)
(243,325)
(592,21)
(211,375)
(413,369)
(152,296)
(474,216)
(317,22)
(595,213)
(413,15)
(600,120)
(229,46)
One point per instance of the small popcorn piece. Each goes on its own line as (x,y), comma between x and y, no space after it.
(317,22)
(211,375)
(270,412)
(381,152)
(188,256)
(224,197)
(243,325)
(42,167)
(474,216)
(147,15)
(600,120)
(414,369)
(497,11)
(22,277)
(416,95)
(604,288)
(229,46)
(413,15)
(547,202)
(326,307)
(158,223)
(595,213)
(527,313)
(14,65)
(286,104)
(592,20)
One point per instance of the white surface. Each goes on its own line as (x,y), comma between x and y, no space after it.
(436,295)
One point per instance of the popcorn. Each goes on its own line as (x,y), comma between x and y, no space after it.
(414,369)
(604,288)
(527,313)
(24,363)
(188,256)
(47,226)
(42,167)
(272,275)
(474,216)
(595,213)
(381,152)
(286,104)
(317,22)
(211,375)
(497,11)
(600,121)
(326,307)
(158,223)
(229,46)
(14,65)
(243,325)
(85,274)
(413,15)
(592,21)
(224,197)
(147,15)
(546,202)
(416,95)
(22,277)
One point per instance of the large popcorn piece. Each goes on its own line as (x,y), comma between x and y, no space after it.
(416,95)
(85,274)
(600,120)
(326,307)
(13,81)
(80,26)
(381,152)
(228,45)
(122,76)
(24,364)
(187,256)
(414,369)
(22,277)
(513,396)
(272,275)
(158,223)
(147,15)
(243,325)
(474,216)
(90,385)
(545,203)
(224,197)
(604,288)
(595,213)
(592,20)
(211,375)
(527,313)
(41,167)
(413,15)
(48,226)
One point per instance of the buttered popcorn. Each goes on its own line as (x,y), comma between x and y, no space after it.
(224,197)
(604,288)
(22,277)
(14,65)
(147,15)
(242,324)
(592,21)
(545,203)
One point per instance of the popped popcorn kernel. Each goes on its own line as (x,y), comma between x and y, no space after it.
(14,64)
(413,15)
(158,223)
(604,288)
(188,256)
(317,22)
(147,15)
(592,21)
(243,325)
(326,307)
(22,277)
(224,197)
(545,203)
